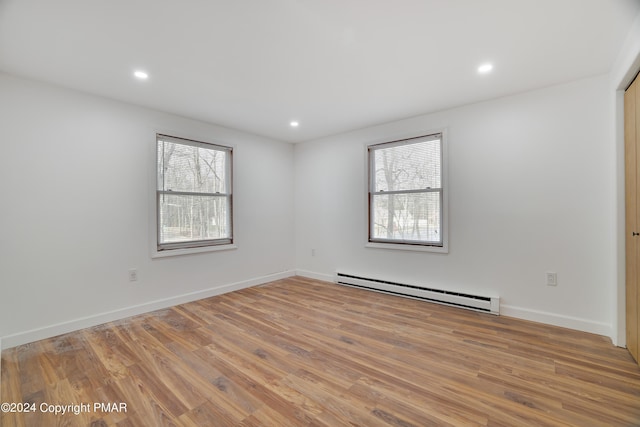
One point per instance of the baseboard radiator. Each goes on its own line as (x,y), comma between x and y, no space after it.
(456,299)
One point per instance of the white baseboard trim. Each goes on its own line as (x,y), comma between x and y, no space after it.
(110,316)
(314,275)
(548,318)
(555,319)
(32,335)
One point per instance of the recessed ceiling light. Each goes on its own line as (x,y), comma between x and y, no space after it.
(294,124)
(141,75)
(485,68)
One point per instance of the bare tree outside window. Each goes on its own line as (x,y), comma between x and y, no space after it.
(405,191)
(193,193)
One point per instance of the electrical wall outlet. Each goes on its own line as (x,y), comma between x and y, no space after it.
(552,279)
(133,275)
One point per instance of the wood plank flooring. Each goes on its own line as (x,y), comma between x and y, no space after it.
(299,352)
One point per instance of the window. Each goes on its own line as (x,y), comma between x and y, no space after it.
(407,203)
(193,194)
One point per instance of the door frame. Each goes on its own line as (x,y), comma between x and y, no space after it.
(622,74)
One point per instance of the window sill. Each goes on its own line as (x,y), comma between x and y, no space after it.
(188,251)
(401,247)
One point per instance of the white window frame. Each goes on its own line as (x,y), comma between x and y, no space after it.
(443,246)
(159,250)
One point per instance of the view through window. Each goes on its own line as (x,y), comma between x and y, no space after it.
(193,196)
(406,191)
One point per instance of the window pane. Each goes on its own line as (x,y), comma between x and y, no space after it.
(189,218)
(413,217)
(191,168)
(412,166)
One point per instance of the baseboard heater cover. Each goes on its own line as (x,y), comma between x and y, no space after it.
(456,299)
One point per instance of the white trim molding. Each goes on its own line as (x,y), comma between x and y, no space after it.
(556,319)
(544,317)
(32,335)
(316,276)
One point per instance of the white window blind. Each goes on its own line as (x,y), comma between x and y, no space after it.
(193,194)
(406,191)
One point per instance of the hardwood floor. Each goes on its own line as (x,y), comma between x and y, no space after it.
(309,353)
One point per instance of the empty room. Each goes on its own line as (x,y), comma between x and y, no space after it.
(319,213)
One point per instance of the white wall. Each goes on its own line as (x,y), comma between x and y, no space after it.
(75,184)
(530,191)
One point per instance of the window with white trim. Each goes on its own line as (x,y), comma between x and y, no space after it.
(407,203)
(193,194)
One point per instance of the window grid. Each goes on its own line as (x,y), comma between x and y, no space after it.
(193,194)
(406,195)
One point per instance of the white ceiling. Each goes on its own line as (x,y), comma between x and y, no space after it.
(332,65)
